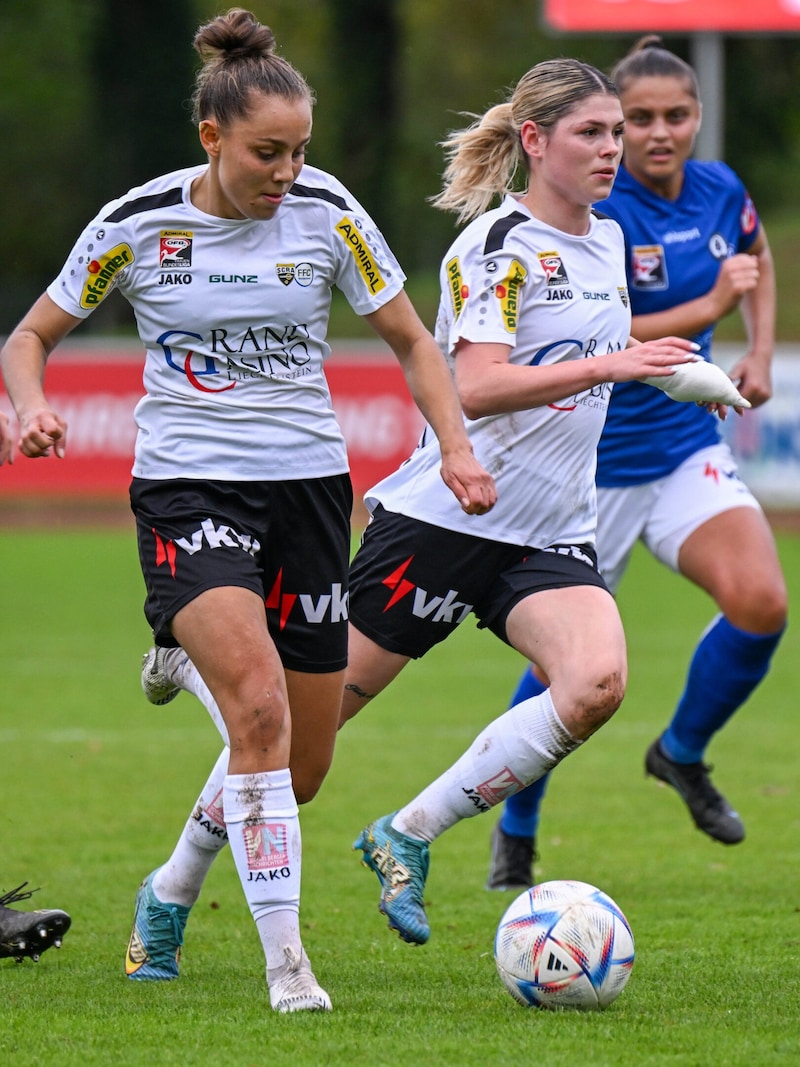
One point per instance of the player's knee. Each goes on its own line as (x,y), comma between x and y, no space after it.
(609,692)
(257,722)
(761,610)
(586,703)
(602,699)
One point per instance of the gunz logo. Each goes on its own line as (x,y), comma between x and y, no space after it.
(333,604)
(447,609)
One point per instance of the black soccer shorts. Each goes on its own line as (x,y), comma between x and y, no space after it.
(413,583)
(287,541)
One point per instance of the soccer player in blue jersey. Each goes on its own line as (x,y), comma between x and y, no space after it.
(696,250)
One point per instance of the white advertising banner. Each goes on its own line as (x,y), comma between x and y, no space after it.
(766,440)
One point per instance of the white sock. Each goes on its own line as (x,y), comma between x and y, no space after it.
(186,675)
(181,878)
(264,831)
(513,751)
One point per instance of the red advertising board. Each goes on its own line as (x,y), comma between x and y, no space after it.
(96,393)
(676,16)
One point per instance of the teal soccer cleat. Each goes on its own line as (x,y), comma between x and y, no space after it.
(401,864)
(154,949)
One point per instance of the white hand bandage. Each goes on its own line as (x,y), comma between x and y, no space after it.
(702,382)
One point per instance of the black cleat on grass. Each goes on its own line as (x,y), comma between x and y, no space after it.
(511,866)
(29,933)
(709,809)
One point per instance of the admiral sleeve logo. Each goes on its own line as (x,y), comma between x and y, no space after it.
(104,274)
(507,292)
(363,256)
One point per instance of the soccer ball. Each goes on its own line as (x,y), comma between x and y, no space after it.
(564,944)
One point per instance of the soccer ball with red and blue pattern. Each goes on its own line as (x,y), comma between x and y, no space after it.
(564,944)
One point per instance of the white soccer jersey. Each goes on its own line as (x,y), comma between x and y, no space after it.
(552,296)
(233,315)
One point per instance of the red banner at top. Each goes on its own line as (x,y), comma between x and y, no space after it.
(674,16)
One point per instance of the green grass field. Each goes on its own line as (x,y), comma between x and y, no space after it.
(97,783)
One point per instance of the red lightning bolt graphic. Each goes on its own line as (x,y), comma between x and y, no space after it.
(283,603)
(397,582)
(165,552)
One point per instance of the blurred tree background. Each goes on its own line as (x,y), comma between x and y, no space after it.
(94,99)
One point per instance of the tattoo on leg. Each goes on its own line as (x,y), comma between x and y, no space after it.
(359,692)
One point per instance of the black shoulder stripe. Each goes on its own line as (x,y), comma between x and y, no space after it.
(599,214)
(319,194)
(501,229)
(170,198)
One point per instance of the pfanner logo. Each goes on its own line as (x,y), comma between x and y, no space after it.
(507,292)
(103,274)
(458,290)
(362,254)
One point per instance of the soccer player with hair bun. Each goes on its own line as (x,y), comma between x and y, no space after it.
(241,486)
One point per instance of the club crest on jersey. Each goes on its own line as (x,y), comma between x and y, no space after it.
(285,272)
(649,267)
(459,291)
(104,273)
(555,272)
(362,254)
(719,247)
(749,216)
(507,292)
(175,249)
(302,273)
(623,294)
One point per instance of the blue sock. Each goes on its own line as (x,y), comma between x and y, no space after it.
(520,816)
(726,667)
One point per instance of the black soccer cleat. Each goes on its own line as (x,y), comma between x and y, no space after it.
(709,809)
(511,866)
(29,933)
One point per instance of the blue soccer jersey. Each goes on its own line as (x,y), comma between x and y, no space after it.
(673,255)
